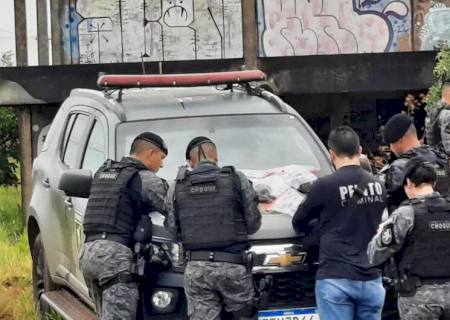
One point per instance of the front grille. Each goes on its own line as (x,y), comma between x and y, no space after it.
(288,289)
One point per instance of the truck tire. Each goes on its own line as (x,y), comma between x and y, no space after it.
(41,277)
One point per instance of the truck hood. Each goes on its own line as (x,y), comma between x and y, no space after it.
(275,226)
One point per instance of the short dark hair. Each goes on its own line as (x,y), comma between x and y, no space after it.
(344,141)
(139,146)
(419,171)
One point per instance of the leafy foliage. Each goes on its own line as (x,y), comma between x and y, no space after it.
(9,147)
(441,72)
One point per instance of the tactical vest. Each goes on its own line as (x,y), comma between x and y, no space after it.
(209,208)
(112,206)
(442,168)
(426,252)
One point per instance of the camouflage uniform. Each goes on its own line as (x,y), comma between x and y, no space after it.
(438,127)
(100,262)
(208,285)
(103,260)
(429,301)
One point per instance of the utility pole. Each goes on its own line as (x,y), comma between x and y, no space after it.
(42,32)
(20,19)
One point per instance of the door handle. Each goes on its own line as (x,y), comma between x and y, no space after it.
(68,202)
(46,183)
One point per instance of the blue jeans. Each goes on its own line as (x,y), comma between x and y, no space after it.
(344,299)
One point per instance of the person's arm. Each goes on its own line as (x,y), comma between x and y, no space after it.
(171,222)
(391,235)
(444,124)
(250,204)
(310,209)
(153,191)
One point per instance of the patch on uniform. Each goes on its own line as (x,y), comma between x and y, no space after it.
(439,225)
(387,236)
(112,176)
(202,189)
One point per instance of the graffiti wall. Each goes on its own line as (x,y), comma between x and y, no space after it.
(105,31)
(311,27)
(431,24)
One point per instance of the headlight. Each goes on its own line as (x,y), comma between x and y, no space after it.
(164,300)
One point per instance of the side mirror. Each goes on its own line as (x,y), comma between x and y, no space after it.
(76,183)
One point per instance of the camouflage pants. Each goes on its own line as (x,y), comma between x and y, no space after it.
(431,302)
(208,285)
(101,261)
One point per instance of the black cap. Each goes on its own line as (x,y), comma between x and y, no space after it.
(195,143)
(154,139)
(396,127)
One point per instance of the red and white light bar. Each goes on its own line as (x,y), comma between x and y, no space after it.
(179,80)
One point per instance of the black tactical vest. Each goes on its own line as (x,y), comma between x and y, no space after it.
(112,206)
(209,208)
(426,252)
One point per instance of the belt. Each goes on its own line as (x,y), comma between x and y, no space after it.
(216,256)
(108,236)
(434,281)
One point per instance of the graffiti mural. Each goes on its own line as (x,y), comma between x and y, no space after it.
(105,31)
(315,27)
(431,23)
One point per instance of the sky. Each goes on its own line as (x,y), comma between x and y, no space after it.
(7,40)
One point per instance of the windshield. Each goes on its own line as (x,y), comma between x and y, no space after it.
(256,142)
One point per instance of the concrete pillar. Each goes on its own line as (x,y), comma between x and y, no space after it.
(339,106)
(20,19)
(42,32)
(56,32)
(250,32)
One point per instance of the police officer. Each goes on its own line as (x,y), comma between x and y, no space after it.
(401,135)
(438,126)
(418,233)
(348,204)
(121,193)
(212,210)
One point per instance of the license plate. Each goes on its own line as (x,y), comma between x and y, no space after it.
(290,314)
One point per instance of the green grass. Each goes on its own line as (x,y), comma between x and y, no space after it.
(16,298)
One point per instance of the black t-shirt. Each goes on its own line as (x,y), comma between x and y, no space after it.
(346,226)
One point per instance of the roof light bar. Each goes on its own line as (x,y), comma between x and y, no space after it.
(179,80)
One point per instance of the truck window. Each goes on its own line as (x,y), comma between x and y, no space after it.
(95,153)
(73,144)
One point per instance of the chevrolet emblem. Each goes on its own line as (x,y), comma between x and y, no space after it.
(286,259)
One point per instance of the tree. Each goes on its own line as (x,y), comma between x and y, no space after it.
(9,136)
(441,72)
(9,147)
